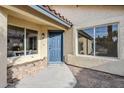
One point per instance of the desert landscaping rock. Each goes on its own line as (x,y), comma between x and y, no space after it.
(87,78)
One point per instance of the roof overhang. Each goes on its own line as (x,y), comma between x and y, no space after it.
(42,10)
(34,14)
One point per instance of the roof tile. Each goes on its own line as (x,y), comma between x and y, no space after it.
(56,13)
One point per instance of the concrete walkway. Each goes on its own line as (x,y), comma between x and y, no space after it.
(54,76)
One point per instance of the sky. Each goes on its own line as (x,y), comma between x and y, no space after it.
(100,31)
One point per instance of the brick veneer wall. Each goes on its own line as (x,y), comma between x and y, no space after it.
(17,72)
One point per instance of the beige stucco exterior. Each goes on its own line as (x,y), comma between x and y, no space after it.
(17,17)
(42,43)
(81,17)
(3,49)
(90,16)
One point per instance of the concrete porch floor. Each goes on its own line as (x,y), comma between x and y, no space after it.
(54,76)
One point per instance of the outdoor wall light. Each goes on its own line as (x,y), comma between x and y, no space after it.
(42,35)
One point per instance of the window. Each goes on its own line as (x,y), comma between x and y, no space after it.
(16,41)
(99,41)
(85,41)
(31,41)
(15,45)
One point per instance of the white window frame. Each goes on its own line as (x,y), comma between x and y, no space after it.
(25,28)
(25,42)
(94,56)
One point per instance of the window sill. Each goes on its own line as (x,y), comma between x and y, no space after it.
(21,56)
(23,59)
(100,57)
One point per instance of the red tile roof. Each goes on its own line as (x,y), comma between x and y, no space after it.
(57,14)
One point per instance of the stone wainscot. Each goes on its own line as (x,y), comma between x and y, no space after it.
(17,72)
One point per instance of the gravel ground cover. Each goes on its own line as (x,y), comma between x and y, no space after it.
(87,78)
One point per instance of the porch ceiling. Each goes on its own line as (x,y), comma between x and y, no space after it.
(26,13)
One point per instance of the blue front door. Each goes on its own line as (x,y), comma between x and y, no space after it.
(55,47)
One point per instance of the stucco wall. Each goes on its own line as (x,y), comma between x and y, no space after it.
(109,65)
(3,49)
(68,45)
(42,43)
(23,21)
(82,15)
(88,16)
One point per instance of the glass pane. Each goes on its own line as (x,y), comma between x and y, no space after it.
(85,41)
(106,40)
(31,42)
(15,42)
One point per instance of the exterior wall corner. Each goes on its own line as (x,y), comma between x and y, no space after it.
(3,49)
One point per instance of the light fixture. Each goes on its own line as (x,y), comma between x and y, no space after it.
(42,35)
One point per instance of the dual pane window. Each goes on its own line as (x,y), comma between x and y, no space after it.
(99,41)
(16,41)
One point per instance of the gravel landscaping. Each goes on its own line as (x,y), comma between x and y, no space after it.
(87,78)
